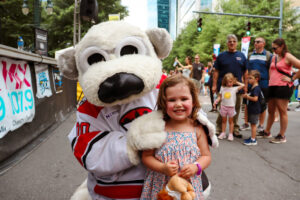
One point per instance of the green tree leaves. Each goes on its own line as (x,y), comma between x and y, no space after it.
(59,25)
(215,28)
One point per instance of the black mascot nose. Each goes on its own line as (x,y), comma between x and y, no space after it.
(119,86)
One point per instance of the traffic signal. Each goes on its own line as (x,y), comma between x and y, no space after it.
(199,25)
(89,10)
(248,33)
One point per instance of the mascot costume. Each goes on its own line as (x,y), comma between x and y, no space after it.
(119,69)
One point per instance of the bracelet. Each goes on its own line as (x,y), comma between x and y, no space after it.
(199,168)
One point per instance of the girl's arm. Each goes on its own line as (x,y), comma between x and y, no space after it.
(218,99)
(170,168)
(202,143)
(204,160)
(240,85)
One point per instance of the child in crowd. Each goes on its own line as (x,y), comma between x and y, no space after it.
(227,96)
(206,84)
(186,150)
(253,105)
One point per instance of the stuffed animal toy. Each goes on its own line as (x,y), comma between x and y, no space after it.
(177,189)
(119,69)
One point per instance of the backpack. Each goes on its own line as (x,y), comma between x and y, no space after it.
(262,102)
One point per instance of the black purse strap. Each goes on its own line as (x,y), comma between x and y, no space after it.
(282,72)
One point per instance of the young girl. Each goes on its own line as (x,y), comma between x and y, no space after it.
(227,96)
(186,150)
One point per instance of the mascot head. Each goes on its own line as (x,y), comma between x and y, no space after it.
(116,62)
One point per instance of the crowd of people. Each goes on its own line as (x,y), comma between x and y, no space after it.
(263,82)
(264,75)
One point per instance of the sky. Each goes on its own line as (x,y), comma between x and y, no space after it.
(138,12)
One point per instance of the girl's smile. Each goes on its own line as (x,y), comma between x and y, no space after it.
(179,102)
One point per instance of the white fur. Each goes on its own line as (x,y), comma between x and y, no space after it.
(146,68)
(211,129)
(108,34)
(147,132)
(158,37)
(81,192)
(107,38)
(67,64)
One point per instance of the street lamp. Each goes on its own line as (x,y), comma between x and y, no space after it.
(25,10)
(49,7)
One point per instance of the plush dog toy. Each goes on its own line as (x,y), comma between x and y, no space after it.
(119,69)
(177,189)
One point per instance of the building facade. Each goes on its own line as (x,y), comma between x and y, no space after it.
(173,15)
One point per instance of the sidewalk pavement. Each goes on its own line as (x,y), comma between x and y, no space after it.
(49,171)
(237,172)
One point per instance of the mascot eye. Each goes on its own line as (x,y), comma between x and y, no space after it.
(94,58)
(131,45)
(90,56)
(129,49)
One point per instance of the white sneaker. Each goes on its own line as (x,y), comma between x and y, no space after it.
(297,109)
(230,137)
(222,136)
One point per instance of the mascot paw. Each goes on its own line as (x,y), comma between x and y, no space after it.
(146,132)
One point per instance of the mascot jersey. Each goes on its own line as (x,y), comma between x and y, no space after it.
(99,144)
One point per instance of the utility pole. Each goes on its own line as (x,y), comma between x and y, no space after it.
(280,21)
(77,23)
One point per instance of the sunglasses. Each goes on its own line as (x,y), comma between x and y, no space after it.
(257,41)
(274,48)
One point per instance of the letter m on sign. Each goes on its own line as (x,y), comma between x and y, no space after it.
(14,74)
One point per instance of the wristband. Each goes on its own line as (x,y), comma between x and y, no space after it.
(199,168)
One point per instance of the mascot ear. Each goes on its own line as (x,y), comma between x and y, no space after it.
(161,41)
(67,64)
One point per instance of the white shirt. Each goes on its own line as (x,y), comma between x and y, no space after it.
(228,95)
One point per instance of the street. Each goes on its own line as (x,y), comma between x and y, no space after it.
(266,171)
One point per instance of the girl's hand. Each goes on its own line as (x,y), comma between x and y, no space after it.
(170,168)
(188,170)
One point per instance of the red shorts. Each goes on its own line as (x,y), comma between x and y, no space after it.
(227,111)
